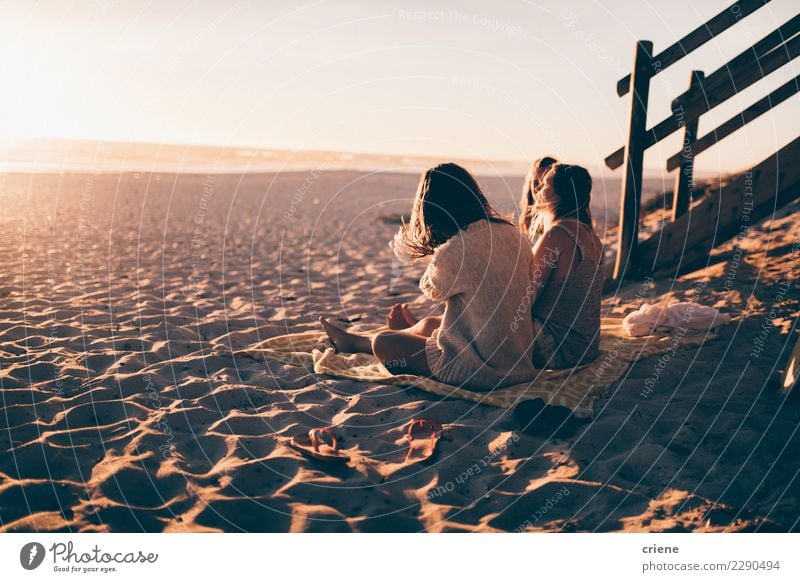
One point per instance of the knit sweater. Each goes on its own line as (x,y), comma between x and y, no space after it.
(483,275)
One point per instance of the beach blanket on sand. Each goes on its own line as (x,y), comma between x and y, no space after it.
(575,388)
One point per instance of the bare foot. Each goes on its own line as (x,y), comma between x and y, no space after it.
(409,317)
(396,318)
(343,340)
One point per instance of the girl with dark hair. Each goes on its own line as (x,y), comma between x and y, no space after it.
(568,258)
(480,267)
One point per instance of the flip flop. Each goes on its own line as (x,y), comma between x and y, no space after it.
(312,445)
(423,434)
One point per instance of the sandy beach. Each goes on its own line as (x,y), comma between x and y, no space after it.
(124,408)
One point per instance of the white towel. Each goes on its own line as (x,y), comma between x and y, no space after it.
(685,315)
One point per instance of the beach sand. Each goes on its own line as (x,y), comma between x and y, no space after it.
(124,409)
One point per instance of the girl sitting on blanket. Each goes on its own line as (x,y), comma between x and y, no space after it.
(568,274)
(568,258)
(481,268)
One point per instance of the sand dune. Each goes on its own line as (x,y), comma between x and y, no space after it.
(125,296)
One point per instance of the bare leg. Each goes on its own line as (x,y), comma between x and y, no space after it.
(400,351)
(344,341)
(426,326)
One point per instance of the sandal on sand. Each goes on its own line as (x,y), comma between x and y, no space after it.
(423,434)
(312,445)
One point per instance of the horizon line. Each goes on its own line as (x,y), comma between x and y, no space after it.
(20,143)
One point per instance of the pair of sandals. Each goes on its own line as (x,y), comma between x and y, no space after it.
(423,436)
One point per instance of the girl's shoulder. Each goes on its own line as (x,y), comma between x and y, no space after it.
(566,235)
(571,228)
(475,231)
(479,233)
(483,235)
(558,234)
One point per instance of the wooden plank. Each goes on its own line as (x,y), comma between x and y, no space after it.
(653,136)
(697,38)
(751,196)
(767,55)
(748,67)
(736,122)
(631,195)
(684,180)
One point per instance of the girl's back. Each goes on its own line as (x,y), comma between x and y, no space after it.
(483,275)
(566,315)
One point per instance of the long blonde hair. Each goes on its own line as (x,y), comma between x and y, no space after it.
(528,214)
(573,189)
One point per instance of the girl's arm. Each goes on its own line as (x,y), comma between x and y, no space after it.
(446,272)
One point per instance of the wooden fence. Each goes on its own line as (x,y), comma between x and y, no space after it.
(705,91)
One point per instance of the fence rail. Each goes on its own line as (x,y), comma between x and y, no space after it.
(698,37)
(767,55)
(705,92)
(739,120)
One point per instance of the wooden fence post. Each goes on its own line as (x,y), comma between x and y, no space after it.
(684,181)
(630,200)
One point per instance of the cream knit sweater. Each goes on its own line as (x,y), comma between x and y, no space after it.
(484,276)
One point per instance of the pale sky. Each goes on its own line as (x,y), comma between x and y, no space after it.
(508,80)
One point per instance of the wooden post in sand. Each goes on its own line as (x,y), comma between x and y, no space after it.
(684,181)
(630,200)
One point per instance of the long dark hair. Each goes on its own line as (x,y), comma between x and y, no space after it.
(448,200)
(527,210)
